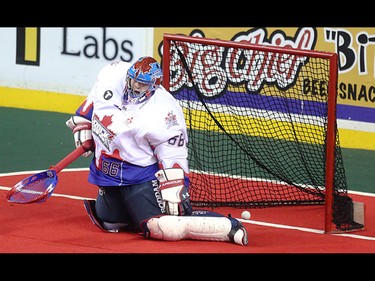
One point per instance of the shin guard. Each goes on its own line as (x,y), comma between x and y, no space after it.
(174,228)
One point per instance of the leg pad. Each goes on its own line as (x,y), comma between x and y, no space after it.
(90,209)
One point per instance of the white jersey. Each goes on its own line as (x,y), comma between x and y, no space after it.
(132,142)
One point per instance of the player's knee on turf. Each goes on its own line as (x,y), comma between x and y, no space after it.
(104,226)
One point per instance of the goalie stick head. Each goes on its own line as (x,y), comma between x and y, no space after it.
(142,79)
(36,188)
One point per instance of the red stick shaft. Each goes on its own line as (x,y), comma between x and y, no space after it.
(68,159)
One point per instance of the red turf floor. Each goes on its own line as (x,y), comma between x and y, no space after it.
(61,225)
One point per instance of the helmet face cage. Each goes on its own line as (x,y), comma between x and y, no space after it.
(145,70)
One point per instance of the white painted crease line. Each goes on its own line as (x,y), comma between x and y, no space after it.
(283,226)
(38,171)
(355,236)
(57,194)
(306,229)
(4,188)
(72,197)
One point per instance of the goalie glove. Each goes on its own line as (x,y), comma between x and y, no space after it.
(81,128)
(176,198)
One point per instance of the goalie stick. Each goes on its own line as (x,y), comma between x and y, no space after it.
(38,187)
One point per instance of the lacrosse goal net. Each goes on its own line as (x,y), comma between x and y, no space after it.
(262,125)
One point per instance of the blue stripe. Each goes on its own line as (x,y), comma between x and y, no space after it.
(122,173)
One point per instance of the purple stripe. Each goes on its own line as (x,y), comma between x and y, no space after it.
(356,113)
(256,101)
(286,105)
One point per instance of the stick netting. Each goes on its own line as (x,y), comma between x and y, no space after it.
(257,126)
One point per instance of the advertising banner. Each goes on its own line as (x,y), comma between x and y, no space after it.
(54,68)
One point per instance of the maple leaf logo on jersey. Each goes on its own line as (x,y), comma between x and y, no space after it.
(100,129)
(171,120)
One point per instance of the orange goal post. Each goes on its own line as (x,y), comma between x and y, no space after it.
(262,125)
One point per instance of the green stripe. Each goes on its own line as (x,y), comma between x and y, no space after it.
(68,103)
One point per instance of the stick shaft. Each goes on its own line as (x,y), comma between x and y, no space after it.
(67,160)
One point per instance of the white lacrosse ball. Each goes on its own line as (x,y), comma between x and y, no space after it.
(246,215)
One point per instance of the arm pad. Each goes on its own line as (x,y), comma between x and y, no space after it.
(75,120)
(81,128)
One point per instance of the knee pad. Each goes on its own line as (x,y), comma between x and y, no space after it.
(104,226)
(90,209)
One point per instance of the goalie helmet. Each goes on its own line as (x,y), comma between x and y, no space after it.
(147,72)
